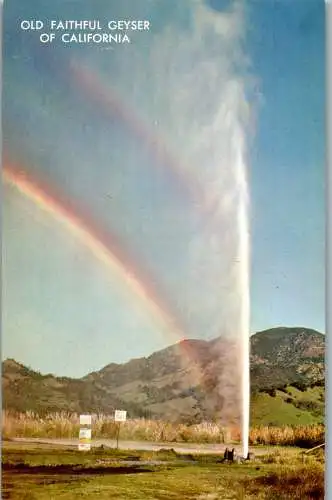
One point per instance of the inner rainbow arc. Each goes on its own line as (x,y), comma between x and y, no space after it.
(18,178)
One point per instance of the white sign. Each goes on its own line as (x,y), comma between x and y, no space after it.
(85,440)
(120,416)
(85,434)
(85,419)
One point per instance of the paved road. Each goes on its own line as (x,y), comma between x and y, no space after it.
(145,445)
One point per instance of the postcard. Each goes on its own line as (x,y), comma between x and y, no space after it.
(163,258)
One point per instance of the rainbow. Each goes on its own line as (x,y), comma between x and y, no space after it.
(108,253)
(112,104)
(106,250)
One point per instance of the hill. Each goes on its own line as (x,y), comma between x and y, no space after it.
(284,355)
(189,381)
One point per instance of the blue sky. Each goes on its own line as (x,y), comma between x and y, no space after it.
(287,165)
(199,66)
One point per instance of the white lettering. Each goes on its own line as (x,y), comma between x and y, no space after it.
(123,25)
(25,25)
(74,25)
(31,25)
(47,37)
(94,38)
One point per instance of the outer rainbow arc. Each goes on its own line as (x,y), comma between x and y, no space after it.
(30,189)
(111,101)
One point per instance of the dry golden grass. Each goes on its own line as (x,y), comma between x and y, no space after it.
(305,436)
(66,425)
(290,482)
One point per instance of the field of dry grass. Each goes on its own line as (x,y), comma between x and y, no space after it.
(65,425)
(290,483)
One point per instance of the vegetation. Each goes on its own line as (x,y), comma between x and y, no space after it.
(43,473)
(64,425)
(289,482)
(289,406)
(287,416)
(301,436)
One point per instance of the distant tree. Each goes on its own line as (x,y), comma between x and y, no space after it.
(299,385)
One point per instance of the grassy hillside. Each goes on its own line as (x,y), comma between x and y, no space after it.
(288,407)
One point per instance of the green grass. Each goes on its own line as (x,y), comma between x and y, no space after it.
(178,477)
(268,410)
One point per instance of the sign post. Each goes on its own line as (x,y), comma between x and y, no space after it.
(85,433)
(119,416)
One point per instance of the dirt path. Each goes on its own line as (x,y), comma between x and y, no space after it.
(147,446)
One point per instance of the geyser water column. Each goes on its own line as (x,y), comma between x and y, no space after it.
(193,93)
(199,86)
(244,282)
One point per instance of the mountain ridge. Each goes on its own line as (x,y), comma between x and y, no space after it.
(167,384)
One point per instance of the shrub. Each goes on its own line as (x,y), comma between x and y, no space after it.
(299,385)
(293,483)
(283,388)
